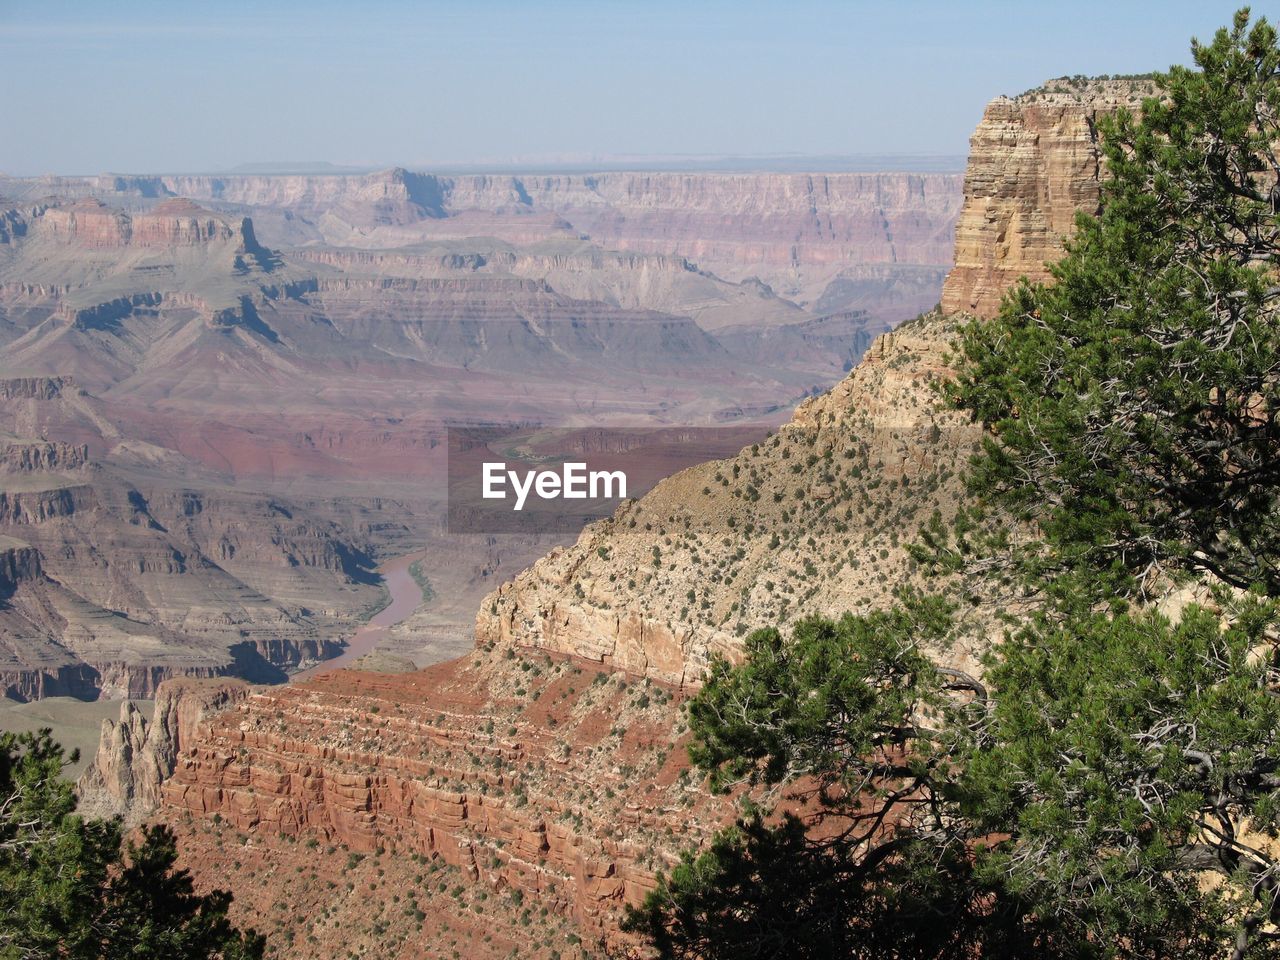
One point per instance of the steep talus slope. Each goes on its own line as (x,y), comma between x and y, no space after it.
(814,519)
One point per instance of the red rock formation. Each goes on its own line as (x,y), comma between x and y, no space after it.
(523,772)
(173,223)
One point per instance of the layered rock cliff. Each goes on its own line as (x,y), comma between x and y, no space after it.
(1034,161)
(796,232)
(532,780)
(173,223)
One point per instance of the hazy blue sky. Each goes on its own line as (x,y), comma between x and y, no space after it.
(135,85)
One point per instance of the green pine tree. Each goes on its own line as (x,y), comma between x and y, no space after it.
(73,888)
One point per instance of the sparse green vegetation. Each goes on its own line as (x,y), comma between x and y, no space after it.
(424,583)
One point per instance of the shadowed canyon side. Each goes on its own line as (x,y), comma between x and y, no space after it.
(546,769)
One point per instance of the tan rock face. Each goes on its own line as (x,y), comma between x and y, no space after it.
(1034,162)
(134,756)
(816,519)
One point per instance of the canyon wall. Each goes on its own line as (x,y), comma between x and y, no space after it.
(113,582)
(1034,162)
(549,765)
(173,223)
(533,779)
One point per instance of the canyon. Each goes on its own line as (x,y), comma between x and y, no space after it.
(223,399)
(224,403)
(512,801)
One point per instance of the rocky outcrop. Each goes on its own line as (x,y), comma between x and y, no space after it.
(37,506)
(531,775)
(1034,162)
(816,519)
(41,456)
(173,223)
(18,562)
(134,757)
(77,680)
(124,680)
(33,388)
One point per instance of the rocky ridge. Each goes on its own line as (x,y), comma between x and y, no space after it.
(816,519)
(796,232)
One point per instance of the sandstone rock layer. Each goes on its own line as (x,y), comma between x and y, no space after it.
(1034,162)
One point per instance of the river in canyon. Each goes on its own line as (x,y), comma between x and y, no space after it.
(405,596)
